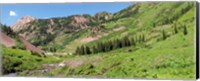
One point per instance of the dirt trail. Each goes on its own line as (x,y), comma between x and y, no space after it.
(77,62)
(119,28)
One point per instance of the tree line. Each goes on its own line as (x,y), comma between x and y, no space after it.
(7,30)
(110,45)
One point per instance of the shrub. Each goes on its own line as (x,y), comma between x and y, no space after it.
(37,54)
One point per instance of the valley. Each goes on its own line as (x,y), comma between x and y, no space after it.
(153,40)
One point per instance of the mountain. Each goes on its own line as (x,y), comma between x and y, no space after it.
(41,32)
(22,23)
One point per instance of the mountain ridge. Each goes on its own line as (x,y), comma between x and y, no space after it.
(19,25)
(49,31)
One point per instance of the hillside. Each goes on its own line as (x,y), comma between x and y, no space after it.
(8,38)
(49,30)
(144,40)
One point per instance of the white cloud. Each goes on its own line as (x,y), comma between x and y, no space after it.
(12,13)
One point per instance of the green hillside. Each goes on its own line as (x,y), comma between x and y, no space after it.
(154,40)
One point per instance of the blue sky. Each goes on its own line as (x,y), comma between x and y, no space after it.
(10,13)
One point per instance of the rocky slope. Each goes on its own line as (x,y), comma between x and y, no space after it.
(41,32)
(6,40)
(9,39)
(22,23)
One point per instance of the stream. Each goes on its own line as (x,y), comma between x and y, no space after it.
(10,75)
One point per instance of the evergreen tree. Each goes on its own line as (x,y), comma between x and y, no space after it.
(78,51)
(82,51)
(136,39)
(87,50)
(99,47)
(95,50)
(175,29)
(120,44)
(154,24)
(185,31)
(107,45)
(103,47)
(143,38)
(127,41)
(55,49)
(132,42)
(111,46)
(164,35)
(115,44)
